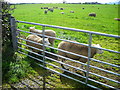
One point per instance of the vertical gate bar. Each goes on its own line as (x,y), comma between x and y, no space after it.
(14,33)
(89,55)
(43,36)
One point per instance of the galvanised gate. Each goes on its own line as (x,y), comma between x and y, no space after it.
(84,79)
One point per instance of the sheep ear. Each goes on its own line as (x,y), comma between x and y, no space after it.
(31,27)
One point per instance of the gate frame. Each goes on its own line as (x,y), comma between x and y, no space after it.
(13,21)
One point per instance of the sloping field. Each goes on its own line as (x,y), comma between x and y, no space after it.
(103,22)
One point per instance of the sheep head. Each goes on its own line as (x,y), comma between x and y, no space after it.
(99,51)
(46,41)
(32,28)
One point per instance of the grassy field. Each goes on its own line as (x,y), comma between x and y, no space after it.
(104,22)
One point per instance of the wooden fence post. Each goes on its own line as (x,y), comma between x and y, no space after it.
(0,45)
(14,33)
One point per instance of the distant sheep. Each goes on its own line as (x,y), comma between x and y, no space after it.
(61,8)
(50,9)
(71,11)
(42,8)
(47,32)
(62,13)
(45,7)
(92,14)
(118,19)
(77,49)
(36,39)
(45,12)
(55,7)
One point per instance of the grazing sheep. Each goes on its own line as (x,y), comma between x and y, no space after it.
(118,19)
(45,7)
(71,11)
(50,9)
(77,49)
(36,39)
(55,7)
(47,32)
(42,8)
(62,13)
(61,8)
(92,14)
(45,12)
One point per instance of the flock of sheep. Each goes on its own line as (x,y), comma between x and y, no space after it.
(52,9)
(67,46)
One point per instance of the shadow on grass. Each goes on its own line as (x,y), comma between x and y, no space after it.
(77,84)
(65,81)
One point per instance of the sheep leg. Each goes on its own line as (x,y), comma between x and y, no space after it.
(61,59)
(83,60)
(52,44)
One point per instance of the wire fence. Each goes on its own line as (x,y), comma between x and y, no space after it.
(84,78)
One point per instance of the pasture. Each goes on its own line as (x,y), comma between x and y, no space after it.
(103,22)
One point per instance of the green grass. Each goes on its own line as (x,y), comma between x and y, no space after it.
(104,22)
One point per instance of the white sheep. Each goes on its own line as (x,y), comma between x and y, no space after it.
(92,14)
(71,11)
(62,13)
(36,39)
(47,32)
(77,49)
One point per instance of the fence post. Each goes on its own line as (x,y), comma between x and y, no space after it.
(89,56)
(0,45)
(14,33)
(43,36)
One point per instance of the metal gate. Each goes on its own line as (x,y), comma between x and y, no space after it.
(85,79)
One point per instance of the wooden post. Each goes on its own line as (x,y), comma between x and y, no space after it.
(14,33)
(0,45)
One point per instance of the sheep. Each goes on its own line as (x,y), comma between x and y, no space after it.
(42,8)
(50,9)
(61,8)
(47,32)
(118,19)
(45,7)
(71,11)
(45,12)
(62,13)
(92,14)
(36,39)
(55,7)
(77,49)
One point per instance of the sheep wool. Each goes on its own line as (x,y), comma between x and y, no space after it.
(47,32)
(36,39)
(77,49)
